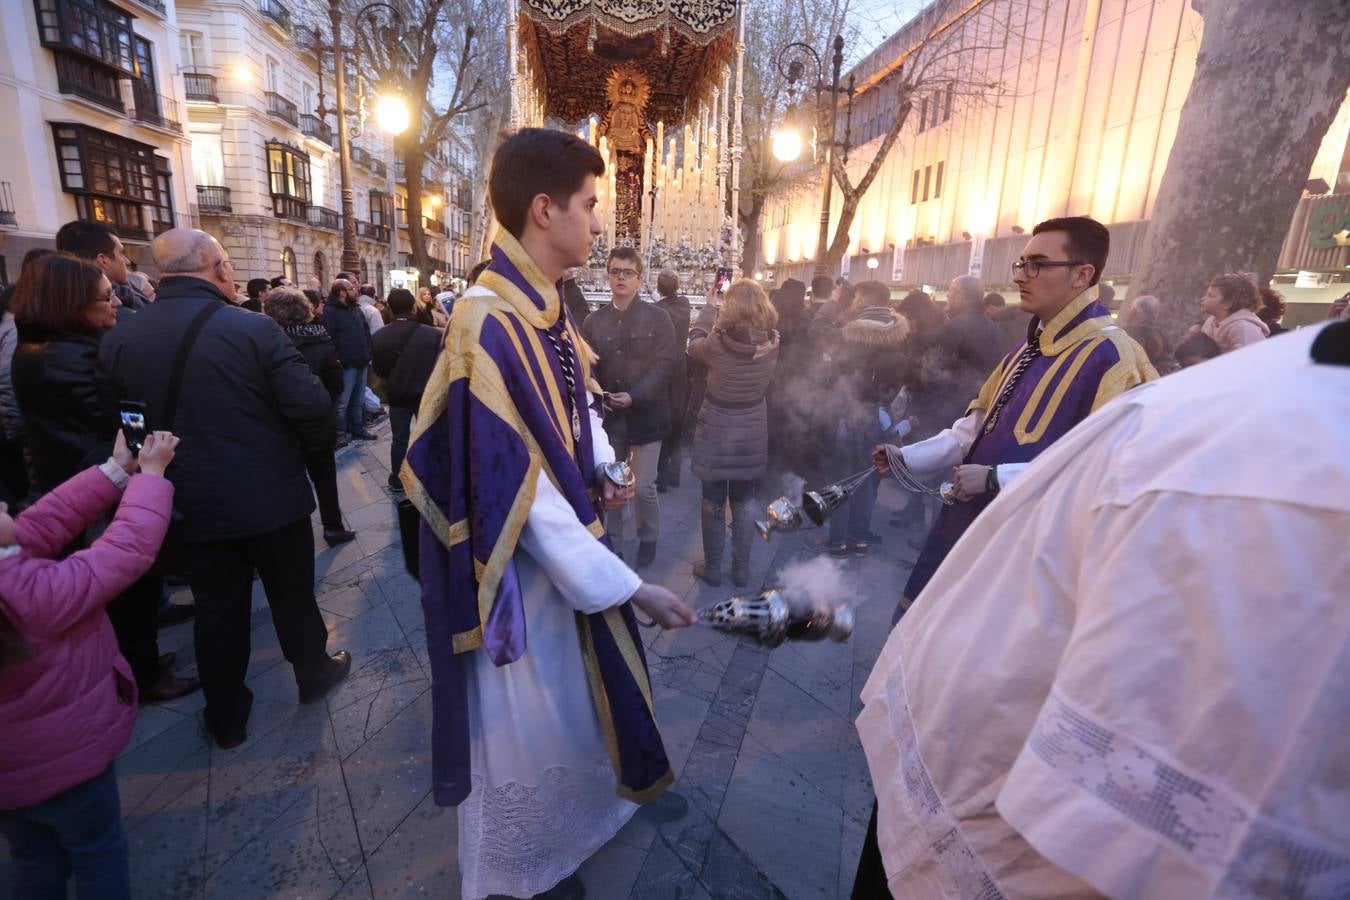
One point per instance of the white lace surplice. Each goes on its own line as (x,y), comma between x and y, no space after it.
(543,796)
(1132,674)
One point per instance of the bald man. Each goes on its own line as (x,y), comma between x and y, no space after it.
(248,410)
(969,346)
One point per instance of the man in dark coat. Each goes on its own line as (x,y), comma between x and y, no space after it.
(966,348)
(405,355)
(346,322)
(677,307)
(636,345)
(248,409)
(256,289)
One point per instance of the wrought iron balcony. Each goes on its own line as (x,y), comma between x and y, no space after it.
(285,206)
(371,231)
(213,199)
(379,168)
(362,158)
(276,11)
(281,108)
(156,5)
(200,87)
(435,226)
(7,214)
(317,128)
(323,217)
(157,110)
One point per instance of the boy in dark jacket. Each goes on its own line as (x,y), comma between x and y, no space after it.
(404,356)
(346,322)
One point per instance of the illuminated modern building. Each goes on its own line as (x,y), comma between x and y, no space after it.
(1091,94)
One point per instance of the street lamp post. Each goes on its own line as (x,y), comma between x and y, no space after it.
(788,146)
(351,262)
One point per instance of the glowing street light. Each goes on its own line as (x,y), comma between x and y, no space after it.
(392,114)
(872,264)
(787,144)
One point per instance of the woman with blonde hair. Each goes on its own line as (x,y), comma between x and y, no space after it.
(737,343)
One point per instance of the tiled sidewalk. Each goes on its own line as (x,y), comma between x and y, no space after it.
(333,799)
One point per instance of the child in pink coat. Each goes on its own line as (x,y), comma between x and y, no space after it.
(67,697)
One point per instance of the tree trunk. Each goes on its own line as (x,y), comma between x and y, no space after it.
(417,238)
(839,245)
(1269,78)
(750,246)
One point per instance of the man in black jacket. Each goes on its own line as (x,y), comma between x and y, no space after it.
(636,345)
(345,321)
(677,307)
(967,347)
(405,353)
(248,409)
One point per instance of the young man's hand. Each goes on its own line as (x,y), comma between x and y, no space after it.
(620,401)
(664,607)
(970,480)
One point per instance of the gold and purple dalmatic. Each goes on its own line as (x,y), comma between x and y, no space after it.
(494,416)
(1086,360)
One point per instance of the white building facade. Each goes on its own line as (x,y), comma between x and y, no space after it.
(92,121)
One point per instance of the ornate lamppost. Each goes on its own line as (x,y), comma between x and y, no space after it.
(390,112)
(788,141)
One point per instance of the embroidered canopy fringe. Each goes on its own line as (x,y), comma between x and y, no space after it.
(699,21)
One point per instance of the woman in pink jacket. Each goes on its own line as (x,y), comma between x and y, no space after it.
(67,698)
(1230,304)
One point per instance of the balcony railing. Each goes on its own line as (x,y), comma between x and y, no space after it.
(213,199)
(285,206)
(305,37)
(200,87)
(7,214)
(282,108)
(156,5)
(372,232)
(317,128)
(276,11)
(323,217)
(83,78)
(362,158)
(379,168)
(157,110)
(435,226)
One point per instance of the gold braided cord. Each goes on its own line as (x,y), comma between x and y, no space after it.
(699,21)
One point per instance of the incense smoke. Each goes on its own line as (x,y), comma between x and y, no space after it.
(815,583)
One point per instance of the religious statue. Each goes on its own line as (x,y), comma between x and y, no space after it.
(627,91)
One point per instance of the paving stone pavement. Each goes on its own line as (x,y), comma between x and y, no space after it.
(333,800)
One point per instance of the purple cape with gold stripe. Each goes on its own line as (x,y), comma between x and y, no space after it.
(1086,360)
(494,417)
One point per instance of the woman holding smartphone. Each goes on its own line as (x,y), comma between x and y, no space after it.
(62,306)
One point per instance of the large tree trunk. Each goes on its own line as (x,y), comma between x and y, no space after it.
(750,247)
(839,246)
(1269,78)
(417,238)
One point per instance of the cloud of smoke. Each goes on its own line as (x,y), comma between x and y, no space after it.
(811,583)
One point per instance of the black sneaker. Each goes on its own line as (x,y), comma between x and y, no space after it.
(365,436)
(337,536)
(646,553)
(336,669)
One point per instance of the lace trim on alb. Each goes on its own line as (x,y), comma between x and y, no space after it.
(1203,820)
(937,834)
(521,840)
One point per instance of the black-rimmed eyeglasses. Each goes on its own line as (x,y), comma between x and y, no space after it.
(1032,267)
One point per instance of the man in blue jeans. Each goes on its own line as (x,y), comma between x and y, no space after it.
(404,356)
(345,321)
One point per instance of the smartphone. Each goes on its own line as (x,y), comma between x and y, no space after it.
(132,413)
(723,279)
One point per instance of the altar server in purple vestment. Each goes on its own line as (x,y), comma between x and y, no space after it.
(1074,360)
(543,730)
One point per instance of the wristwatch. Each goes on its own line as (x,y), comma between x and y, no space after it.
(991,480)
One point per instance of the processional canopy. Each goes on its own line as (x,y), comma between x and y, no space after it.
(650,83)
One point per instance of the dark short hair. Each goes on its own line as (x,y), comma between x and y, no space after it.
(313,296)
(275,282)
(345,276)
(821,287)
(86,239)
(993,300)
(368,290)
(1086,239)
(1200,346)
(627,253)
(288,306)
(477,270)
(536,161)
(667,284)
(401,301)
(872,293)
(55,291)
(256,286)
